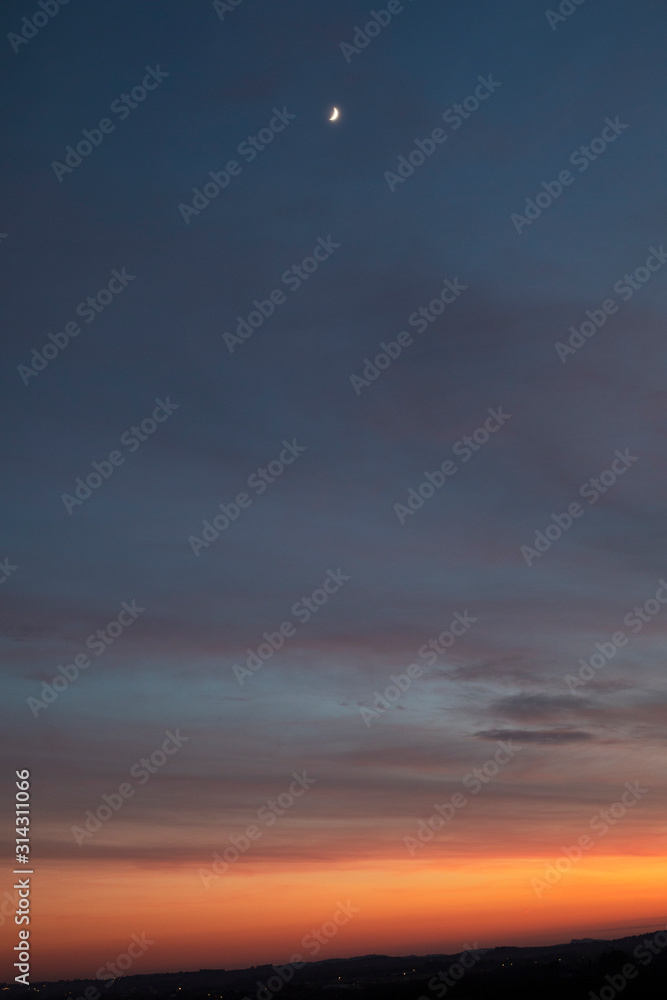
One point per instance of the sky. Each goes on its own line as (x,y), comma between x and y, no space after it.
(461,542)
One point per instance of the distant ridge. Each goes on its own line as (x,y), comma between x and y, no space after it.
(586,964)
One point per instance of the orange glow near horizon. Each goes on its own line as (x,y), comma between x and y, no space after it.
(262,915)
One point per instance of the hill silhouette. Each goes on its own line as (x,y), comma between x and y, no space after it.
(584,969)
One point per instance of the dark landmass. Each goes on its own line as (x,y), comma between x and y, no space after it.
(581,970)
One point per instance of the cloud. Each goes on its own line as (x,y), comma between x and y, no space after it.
(541,736)
(540,707)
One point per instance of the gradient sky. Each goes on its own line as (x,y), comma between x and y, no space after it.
(333,508)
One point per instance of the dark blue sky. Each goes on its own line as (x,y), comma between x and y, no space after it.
(323,184)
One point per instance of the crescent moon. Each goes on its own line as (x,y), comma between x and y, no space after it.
(334,115)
